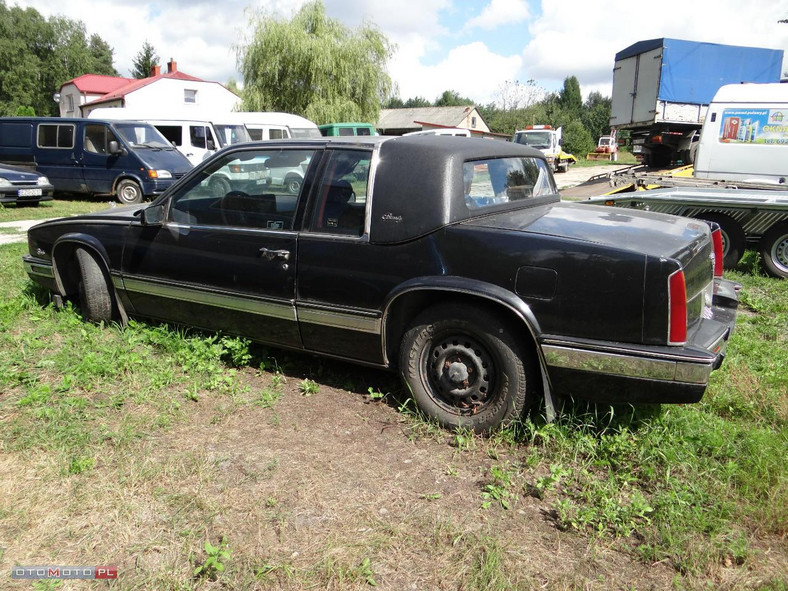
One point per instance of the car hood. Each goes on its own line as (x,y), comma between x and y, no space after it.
(122,213)
(651,233)
(13,173)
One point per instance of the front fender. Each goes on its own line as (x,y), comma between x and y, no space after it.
(64,245)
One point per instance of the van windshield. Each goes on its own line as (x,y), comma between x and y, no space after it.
(305,132)
(232,134)
(142,135)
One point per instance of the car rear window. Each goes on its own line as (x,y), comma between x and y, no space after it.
(504,180)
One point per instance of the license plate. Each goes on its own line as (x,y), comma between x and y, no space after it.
(29,193)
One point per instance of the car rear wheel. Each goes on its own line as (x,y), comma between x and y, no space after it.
(128,192)
(774,251)
(464,368)
(95,299)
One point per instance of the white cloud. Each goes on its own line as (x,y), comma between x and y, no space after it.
(576,37)
(500,12)
(472,70)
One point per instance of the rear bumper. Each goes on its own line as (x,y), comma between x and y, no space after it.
(620,372)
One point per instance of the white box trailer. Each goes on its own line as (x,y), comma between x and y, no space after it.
(661,88)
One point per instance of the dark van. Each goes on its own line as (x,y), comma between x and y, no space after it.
(127,159)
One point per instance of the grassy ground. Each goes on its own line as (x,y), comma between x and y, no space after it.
(198,461)
(624,159)
(59,207)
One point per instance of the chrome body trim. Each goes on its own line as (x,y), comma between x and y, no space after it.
(337,319)
(630,366)
(38,267)
(284,310)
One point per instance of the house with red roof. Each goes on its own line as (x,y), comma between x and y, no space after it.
(170,91)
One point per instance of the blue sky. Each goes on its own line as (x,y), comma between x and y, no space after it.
(472,47)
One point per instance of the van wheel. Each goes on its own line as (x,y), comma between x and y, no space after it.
(128,192)
(95,300)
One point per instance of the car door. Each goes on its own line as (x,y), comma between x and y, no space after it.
(225,256)
(342,278)
(99,166)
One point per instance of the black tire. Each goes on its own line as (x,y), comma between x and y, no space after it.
(293,184)
(733,238)
(219,186)
(465,369)
(95,299)
(128,192)
(774,251)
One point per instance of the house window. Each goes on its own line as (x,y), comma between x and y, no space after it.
(473,122)
(189,96)
(70,103)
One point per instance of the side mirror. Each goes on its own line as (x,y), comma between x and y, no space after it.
(153,215)
(114,147)
(211,145)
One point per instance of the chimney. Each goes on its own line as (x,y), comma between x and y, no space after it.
(155,70)
(172,66)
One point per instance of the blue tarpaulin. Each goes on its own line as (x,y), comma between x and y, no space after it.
(692,72)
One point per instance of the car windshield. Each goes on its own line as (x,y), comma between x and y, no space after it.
(504,180)
(142,135)
(535,139)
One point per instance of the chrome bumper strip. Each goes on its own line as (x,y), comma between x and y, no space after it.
(627,365)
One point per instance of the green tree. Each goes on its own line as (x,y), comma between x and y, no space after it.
(144,61)
(37,56)
(417,102)
(103,57)
(315,66)
(596,114)
(451,98)
(577,139)
(570,98)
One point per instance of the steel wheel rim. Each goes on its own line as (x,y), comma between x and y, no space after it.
(460,372)
(129,193)
(779,253)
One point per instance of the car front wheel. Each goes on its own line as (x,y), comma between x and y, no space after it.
(464,368)
(95,299)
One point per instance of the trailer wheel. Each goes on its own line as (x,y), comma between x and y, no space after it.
(774,251)
(733,238)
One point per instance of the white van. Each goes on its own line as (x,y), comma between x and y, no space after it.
(454,131)
(276,126)
(745,135)
(195,139)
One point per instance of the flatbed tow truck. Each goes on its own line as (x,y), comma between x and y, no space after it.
(751,215)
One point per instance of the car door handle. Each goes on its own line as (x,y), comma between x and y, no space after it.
(270,255)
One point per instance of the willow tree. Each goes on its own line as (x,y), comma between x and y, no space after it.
(314,66)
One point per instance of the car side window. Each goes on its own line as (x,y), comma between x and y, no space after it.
(342,195)
(256,189)
(504,180)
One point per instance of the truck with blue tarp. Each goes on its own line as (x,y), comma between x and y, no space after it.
(662,87)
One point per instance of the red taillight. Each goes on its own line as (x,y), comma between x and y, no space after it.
(677,305)
(716,240)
